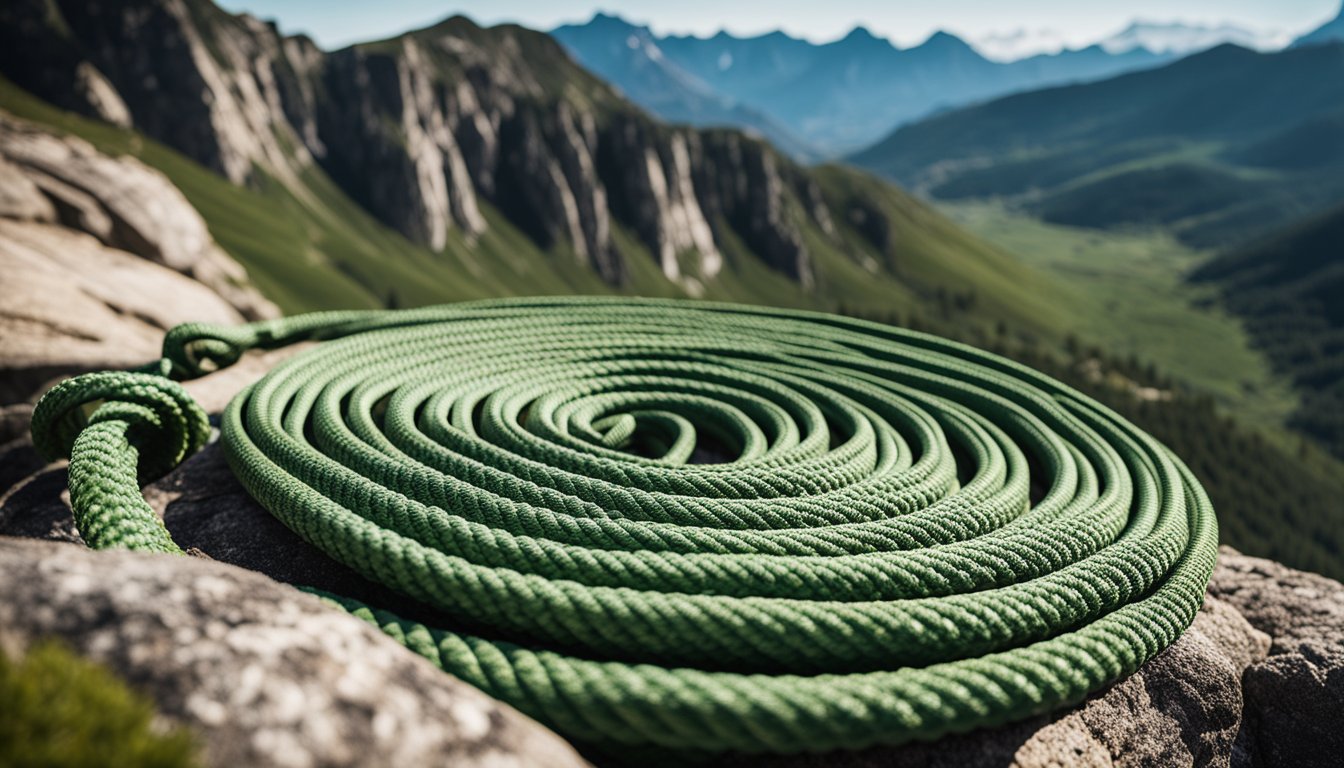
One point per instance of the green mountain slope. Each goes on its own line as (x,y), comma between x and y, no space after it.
(1288,287)
(1216,147)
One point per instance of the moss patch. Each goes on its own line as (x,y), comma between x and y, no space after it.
(62,710)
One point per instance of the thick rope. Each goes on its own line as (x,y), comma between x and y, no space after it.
(688,525)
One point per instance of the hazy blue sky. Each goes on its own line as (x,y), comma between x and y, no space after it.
(338,22)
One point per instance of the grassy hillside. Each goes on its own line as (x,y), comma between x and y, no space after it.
(1167,353)
(1288,287)
(1276,496)
(1130,297)
(1217,147)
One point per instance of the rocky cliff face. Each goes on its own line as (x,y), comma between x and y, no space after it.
(211,85)
(427,131)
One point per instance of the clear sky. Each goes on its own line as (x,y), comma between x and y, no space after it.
(334,23)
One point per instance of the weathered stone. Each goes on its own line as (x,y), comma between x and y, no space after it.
(263,674)
(20,198)
(14,421)
(1295,698)
(121,202)
(37,506)
(71,305)
(93,89)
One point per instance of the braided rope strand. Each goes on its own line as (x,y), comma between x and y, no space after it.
(689,525)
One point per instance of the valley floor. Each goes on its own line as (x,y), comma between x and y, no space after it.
(1131,298)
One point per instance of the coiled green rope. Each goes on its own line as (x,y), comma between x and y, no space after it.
(688,525)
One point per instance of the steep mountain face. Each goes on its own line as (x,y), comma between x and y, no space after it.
(1222,145)
(835,96)
(1330,31)
(426,131)
(457,162)
(220,88)
(1287,287)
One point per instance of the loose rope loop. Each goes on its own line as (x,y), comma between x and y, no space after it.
(691,525)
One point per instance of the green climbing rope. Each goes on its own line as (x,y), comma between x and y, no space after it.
(688,525)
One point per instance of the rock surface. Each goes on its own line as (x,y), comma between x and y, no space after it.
(77,305)
(120,201)
(1183,708)
(263,674)
(100,255)
(1295,698)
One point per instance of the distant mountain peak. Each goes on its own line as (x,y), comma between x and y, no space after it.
(946,43)
(943,37)
(604,20)
(835,96)
(862,37)
(860,32)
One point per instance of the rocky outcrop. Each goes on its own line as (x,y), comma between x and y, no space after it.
(100,255)
(425,131)
(757,199)
(1295,698)
(72,304)
(103,100)
(261,673)
(386,139)
(563,158)
(121,202)
(547,171)
(653,193)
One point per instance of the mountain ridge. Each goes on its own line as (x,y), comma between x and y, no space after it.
(834,95)
(1181,38)
(1226,122)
